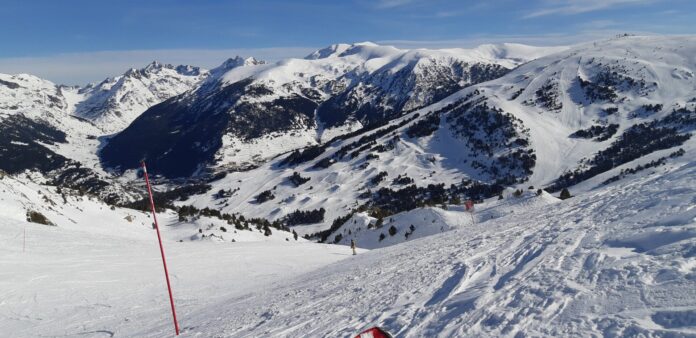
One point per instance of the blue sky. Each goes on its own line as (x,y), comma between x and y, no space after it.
(76,41)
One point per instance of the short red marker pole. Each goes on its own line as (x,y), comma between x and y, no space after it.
(159,238)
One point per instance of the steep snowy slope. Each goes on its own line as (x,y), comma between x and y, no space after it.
(254,113)
(115,102)
(616,262)
(634,113)
(594,107)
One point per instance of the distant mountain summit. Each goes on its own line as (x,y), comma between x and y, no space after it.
(115,102)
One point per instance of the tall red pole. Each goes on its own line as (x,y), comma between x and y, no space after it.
(159,238)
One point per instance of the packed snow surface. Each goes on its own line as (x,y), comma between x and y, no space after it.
(617,261)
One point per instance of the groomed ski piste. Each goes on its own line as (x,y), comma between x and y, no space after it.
(616,261)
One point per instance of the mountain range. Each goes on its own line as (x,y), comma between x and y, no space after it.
(359,128)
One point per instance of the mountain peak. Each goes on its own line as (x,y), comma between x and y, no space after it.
(235,62)
(327,52)
(154,65)
(366,48)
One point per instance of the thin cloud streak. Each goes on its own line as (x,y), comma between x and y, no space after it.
(385,4)
(534,40)
(570,7)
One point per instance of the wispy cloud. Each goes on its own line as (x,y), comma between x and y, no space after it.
(531,39)
(392,3)
(82,68)
(569,7)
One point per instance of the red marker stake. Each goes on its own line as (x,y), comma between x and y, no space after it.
(159,238)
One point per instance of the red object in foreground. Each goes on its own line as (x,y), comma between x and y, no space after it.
(159,238)
(374,332)
(469,204)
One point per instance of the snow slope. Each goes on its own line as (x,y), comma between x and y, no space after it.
(618,261)
(82,283)
(428,221)
(615,262)
(623,77)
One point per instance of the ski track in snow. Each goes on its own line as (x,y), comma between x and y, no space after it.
(575,268)
(619,261)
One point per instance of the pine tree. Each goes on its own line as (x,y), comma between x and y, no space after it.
(565,194)
(379,223)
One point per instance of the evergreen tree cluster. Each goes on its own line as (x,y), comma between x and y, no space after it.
(222,193)
(378,178)
(335,225)
(390,145)
(324,163)
(371,156)
(610,79)
(297,179)
(164,200)
(597,91)
(298,217)
(264,196)
(425,126)
(610,110)
(402,180)
(491,132)
(239,222)
(370,139)
(638,140)
(300,156)
(547,96)
(598,132)
(654,163)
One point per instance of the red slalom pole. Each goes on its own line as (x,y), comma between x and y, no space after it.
(159,238)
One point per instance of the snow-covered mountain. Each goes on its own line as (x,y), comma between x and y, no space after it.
(251,114)
(55,130)
(115,102)
(589,111)
(484,138)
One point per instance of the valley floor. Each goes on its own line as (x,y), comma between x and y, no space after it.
(617,261)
